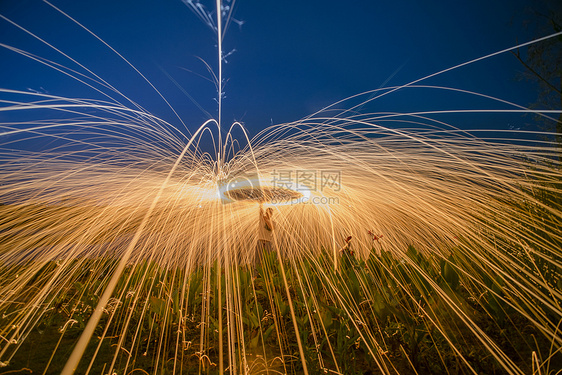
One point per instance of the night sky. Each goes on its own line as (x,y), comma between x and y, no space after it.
(291,58)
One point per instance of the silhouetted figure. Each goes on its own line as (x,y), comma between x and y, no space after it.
(265,234)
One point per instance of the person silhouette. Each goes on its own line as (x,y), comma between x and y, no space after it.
(265,234)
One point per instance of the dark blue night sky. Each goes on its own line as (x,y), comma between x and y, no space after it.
(292,58)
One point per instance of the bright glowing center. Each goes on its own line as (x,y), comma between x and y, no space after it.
(251,190)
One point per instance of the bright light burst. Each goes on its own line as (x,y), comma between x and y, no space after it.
(432,242)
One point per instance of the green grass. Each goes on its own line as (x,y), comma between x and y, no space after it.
(387,309)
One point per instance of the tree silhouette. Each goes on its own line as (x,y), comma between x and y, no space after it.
(543,64)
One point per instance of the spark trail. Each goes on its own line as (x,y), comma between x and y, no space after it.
(403,245)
